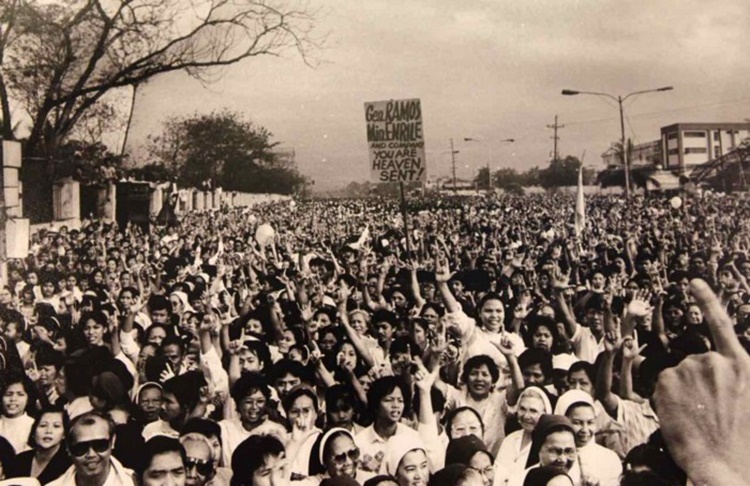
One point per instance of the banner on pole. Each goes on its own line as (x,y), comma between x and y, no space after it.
(396,141)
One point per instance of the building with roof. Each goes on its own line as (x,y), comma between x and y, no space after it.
(686,145)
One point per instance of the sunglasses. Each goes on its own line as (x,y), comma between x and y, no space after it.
(203,467)
(80,449)
(352,454)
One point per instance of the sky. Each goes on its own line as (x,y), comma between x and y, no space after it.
(487,70)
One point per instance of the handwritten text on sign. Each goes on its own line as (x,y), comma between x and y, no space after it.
(394,135)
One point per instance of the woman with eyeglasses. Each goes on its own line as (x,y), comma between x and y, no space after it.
(335,455)
(48,459)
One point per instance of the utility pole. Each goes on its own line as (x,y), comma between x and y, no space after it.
(453,165)
(555,127)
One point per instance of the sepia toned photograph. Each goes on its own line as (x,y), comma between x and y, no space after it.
(414,243)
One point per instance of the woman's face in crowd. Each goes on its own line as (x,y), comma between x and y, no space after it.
(177,306)
(93,332)
(493,315)
(431,316)
(342,458)
(150,401)
(358,322)
(419,335)
(5,296)
(399,300)
(254,326)
(252,408)
(482,463)
(542,338)
(694,315)
(558,450)
(391,407)
(530,409)
(465,423)
(583,419)
(249,361)
(156,335)
(342,415)
(287,342)
(598,281)
(50,431)
(413,470)
(319,321)
(479,381)
(579,380)
(48,289)
(348,356)
(328,342)
(98,277)
(15,400)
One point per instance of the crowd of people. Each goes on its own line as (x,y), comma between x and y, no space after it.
(486,342)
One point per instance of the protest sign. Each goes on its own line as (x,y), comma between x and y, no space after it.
(396,141)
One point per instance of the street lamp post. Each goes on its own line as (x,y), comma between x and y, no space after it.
(453,165)
(620,100)
(489,170)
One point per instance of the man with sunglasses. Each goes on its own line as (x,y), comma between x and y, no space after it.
(199,464)
(90,444)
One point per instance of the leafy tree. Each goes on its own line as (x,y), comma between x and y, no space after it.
(58,60)
(222,149)
(561,172)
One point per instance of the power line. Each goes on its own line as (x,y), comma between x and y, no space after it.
(674,110)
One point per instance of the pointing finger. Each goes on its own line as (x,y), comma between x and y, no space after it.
(719,322)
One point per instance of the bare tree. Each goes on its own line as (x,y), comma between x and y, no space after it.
(58,60)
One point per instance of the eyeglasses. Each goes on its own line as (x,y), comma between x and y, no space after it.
(203,467)
(352,454)
(99,446)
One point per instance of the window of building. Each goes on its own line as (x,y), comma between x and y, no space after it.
(717,135)
(717,151)
(672,136)
(696,150)
(673,151)
(694,134)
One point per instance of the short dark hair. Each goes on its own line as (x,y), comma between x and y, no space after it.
(536,356)
(159,302)
(584,366)
(286,366)
(248,384)
(475,362)
(205,427)
(251,455)
(338,395)
(384,386)
(300,391)
(157,446)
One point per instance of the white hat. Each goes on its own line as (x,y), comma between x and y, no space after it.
(570,398)
(400,447)
(563,361)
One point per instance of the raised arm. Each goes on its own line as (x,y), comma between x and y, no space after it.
(603,388)
(442,276)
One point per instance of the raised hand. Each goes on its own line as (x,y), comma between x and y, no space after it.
(442,271)
(639,306)
(424,379)
(702,403)
(629,350)
(505,346)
